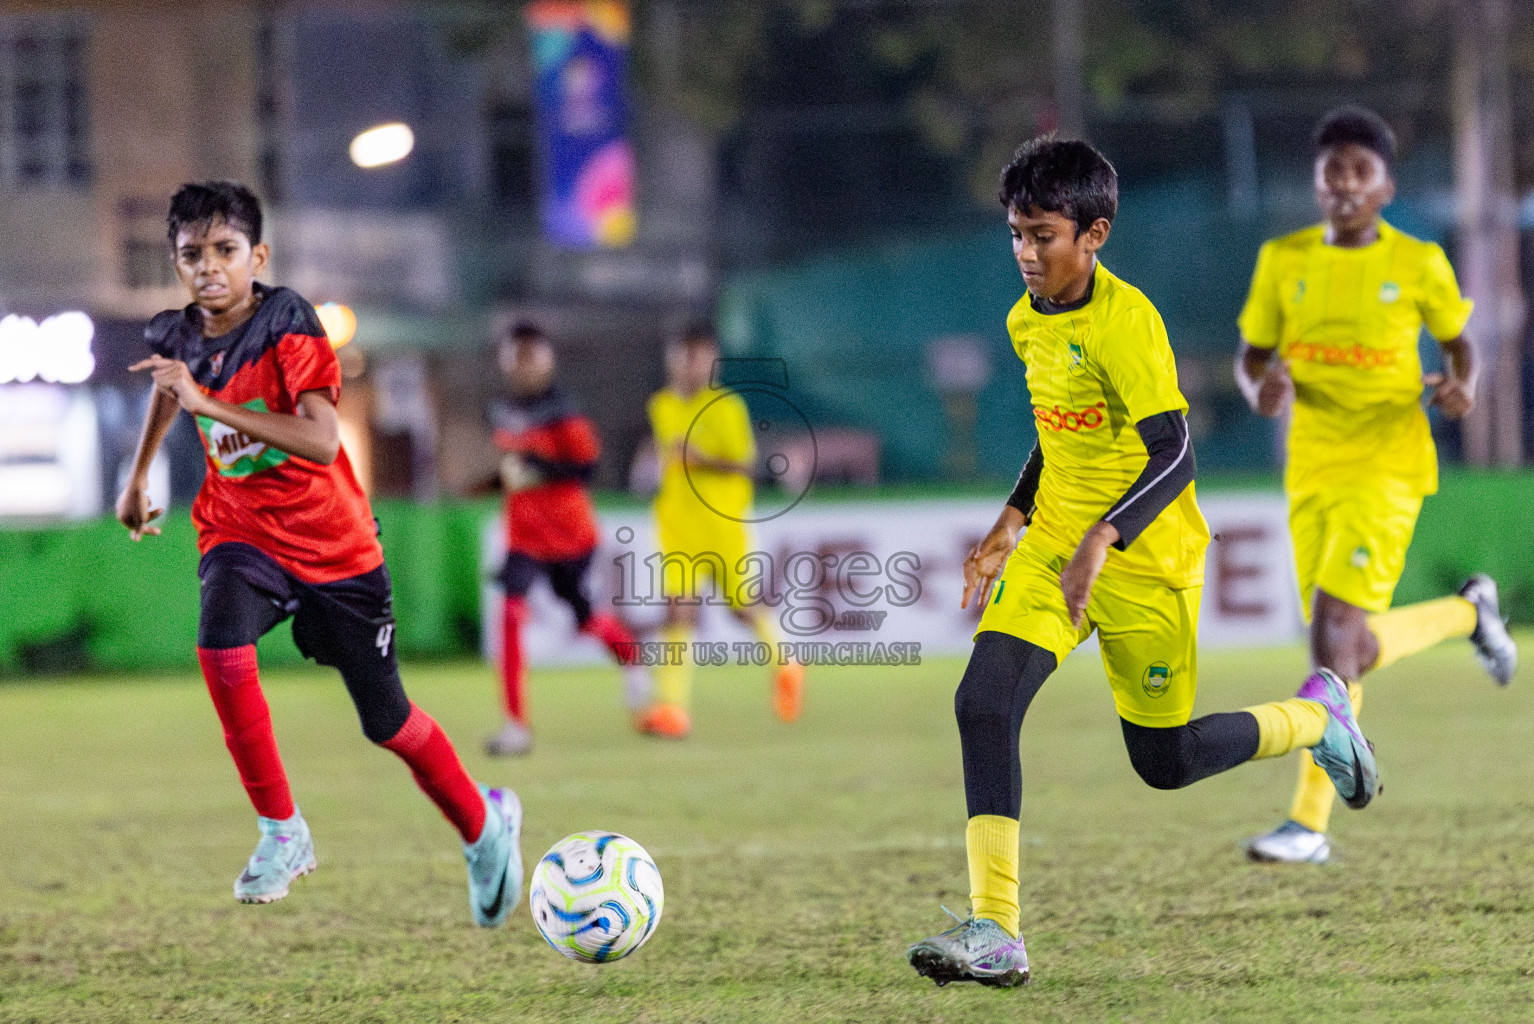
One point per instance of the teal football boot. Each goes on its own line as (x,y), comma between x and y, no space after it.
(495,859)
(1343,752)
(285,852)
(978,950)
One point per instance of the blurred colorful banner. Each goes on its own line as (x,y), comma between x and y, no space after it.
(580,53)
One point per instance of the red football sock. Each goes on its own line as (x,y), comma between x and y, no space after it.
(235,686)
(513,668)
(423,745)
(614,634)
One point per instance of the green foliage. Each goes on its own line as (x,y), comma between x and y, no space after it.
(990,70)
(702,71)
(988,67)
(799,861)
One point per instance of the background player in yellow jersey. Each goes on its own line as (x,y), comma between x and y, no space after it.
(1115,544)
(1330,330)
(707,455)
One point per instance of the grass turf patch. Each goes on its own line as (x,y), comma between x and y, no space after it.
(799,861)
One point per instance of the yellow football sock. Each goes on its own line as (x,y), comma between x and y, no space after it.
(991,842)
(765,629)
(673,682)
(1315,794)
(1285,725)
(1416,627)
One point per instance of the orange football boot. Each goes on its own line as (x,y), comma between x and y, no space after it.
(788,691)
(668,721)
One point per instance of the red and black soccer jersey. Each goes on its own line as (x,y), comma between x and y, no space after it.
(313,520)
(553,521)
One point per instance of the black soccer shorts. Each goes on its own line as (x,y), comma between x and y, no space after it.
(347,624)
(567,578)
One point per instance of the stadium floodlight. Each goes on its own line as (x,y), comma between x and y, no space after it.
(382,145)
(58,350)
(339,321)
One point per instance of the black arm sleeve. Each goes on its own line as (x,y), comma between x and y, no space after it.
(1167,473)
(553,470)
(1027,488)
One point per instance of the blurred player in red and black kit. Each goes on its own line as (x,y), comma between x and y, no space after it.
(285,530)
(551,451)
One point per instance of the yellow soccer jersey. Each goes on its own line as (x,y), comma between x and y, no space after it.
(1093,373)
(1346,321)
(712,423)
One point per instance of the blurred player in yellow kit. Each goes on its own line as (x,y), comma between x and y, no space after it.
(1330,329)
(707,455)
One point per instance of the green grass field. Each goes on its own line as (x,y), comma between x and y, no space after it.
(799,861)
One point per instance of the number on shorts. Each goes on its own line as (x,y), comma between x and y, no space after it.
(385,634)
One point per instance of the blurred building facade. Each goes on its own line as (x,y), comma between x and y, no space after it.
(824,170)
(105,108)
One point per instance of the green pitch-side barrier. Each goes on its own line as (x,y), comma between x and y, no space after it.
(82,597)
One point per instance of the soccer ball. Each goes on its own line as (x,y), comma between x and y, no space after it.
(596,896)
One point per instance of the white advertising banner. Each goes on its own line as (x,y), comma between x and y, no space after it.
(859,577)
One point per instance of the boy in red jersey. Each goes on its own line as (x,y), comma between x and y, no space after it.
(285,530)
(550,451)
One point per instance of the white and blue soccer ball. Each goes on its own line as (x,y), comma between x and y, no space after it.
(596,896)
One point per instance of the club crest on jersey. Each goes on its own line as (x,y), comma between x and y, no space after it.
(1389,292)
(1077,359)
(235,454)
(216,363)
(1157,679)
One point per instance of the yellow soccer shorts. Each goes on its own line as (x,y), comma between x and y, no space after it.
(1148,632)
(1351,542)
(702,558)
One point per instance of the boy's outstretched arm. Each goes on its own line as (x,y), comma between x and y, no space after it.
(1454,392)
(313,432)
(133,509)
(1263,379)
(987,559)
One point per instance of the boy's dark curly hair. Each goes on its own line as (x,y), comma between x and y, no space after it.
(1064,176)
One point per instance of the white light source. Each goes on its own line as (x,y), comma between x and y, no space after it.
(385,144)
(58,350)
(339,321)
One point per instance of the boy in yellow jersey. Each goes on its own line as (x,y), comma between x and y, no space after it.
(1115,544)
(707,454)
(1330,328)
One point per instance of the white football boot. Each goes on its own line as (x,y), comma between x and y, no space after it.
(1290,843)
(1497,651)
(514,740)
(638,688)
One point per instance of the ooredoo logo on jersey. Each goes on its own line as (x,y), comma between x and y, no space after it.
(1058,419)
